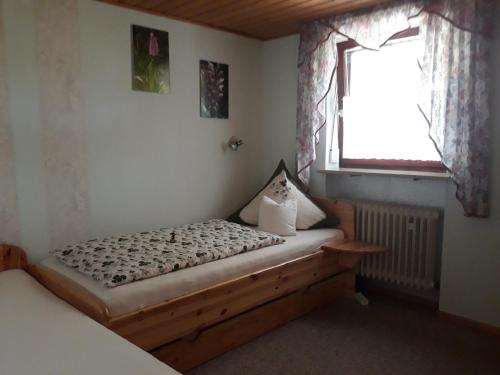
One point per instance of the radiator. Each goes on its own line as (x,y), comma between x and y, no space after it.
(409,232)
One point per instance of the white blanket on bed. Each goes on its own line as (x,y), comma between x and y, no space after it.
(120,260)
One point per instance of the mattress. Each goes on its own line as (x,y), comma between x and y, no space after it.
(137,295)
(43,335)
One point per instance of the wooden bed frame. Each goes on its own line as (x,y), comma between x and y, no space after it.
(189,330)
(12,257)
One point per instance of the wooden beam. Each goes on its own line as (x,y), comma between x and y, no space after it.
(261,19)
(71,292)
(221,6)
(187,11)
(198,23)
(132,2)
(288,21)
(149,4)
(246,9)
(273,21)
(166,7)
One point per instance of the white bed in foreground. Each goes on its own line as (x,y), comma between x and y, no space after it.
(41,334)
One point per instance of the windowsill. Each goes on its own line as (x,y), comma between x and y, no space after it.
(386,172)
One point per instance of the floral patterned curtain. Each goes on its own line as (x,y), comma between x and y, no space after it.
(318,63)
(454,96)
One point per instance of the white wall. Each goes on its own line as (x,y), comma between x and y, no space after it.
(150,160)
(24,109)
(403,190)
(278,94)
(279,110)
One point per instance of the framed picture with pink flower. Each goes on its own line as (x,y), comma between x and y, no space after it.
(150,60)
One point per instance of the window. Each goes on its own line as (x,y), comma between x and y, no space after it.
(380,124)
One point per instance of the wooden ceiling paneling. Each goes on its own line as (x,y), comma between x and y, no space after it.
(261,19)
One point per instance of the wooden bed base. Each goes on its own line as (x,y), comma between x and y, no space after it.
(187,331)
(191,351)
(190,314)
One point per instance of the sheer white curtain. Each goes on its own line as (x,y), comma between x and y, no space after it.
(455,90)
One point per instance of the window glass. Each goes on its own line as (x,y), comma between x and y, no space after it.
(381,119)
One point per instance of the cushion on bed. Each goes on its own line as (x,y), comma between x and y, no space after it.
(278,218)
(309,215)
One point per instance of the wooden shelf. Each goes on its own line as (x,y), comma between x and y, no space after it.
(353,247)
(349,252)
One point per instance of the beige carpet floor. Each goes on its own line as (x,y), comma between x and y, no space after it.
(384,338)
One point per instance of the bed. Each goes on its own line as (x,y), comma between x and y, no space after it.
(41,334)
(187,317)
(152,291)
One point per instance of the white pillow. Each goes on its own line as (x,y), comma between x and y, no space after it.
(278,218)
(279,189)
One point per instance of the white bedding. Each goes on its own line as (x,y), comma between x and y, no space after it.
(130,297)
(41,334)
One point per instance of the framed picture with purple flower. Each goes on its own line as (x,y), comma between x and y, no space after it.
(150,60)
(214,89)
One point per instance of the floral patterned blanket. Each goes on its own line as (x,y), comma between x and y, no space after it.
(120,260)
